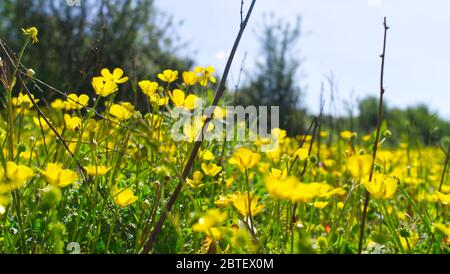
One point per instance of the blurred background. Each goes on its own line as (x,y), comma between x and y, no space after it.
(297,54)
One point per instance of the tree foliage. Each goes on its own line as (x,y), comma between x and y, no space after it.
(76,42)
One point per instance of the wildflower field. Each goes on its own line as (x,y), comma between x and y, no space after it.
(91,174)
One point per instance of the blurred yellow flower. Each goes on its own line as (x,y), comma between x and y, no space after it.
(346,134)
(123,197)
(359,165)
(40,122)
(55,175)
(443,228)
(209,222)
(32,33)
(301,153)
(15,177)
(196,181)
(245,158)
(206,155)
(168,76)
(211,169)
(190,78)
(121,112)
(149,88)
(96,170)
(381,186)
(241,203)
(58,104)
(24,101)
(320,205)
(205,75)
(441,197)
(72,123)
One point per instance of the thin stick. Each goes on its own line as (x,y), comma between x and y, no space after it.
(220,90)
(377,137)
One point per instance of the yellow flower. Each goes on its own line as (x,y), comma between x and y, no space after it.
(320,205)
(366,138)
(121,111)
(359,165)
(168,75)
(246,159)
(301,153)
(24,101)
(41,123)
(205,75)
(295,191)
(211,169)
(123,197)
(96,170)
(443,228)
(72,123)
(278,174)
(196,181)
(224,201)
(324,134)
(32,33)
(411,243)
(55,175)
(115,77)
(381,186)
(157,100)
(209,222)
(16,177)
(305,192)
(190,78)
(179,99)
(4,202)
(58,104)
(103,88)
(441,197)
(346,134)
(76,102)
(149,88)
(241,202)
(206,155)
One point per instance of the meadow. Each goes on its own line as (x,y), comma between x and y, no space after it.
(91,174)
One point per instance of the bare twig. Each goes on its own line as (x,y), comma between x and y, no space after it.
(220,90)
(377,137)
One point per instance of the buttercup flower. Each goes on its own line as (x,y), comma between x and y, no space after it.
(168,75)
(205,75)
(240,202)
(246,159)
(76,102)
(123,197)
(55,175)
(196,181)
(103,88)
(179,99)
(190,78)
(211,169)
(96,170)
(149,88)
(32,33)
(115,77)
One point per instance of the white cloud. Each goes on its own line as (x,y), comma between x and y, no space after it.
(374,3)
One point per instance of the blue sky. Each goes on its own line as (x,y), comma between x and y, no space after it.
(342,36)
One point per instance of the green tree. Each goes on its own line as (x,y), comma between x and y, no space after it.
(77,42)
(276,81)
